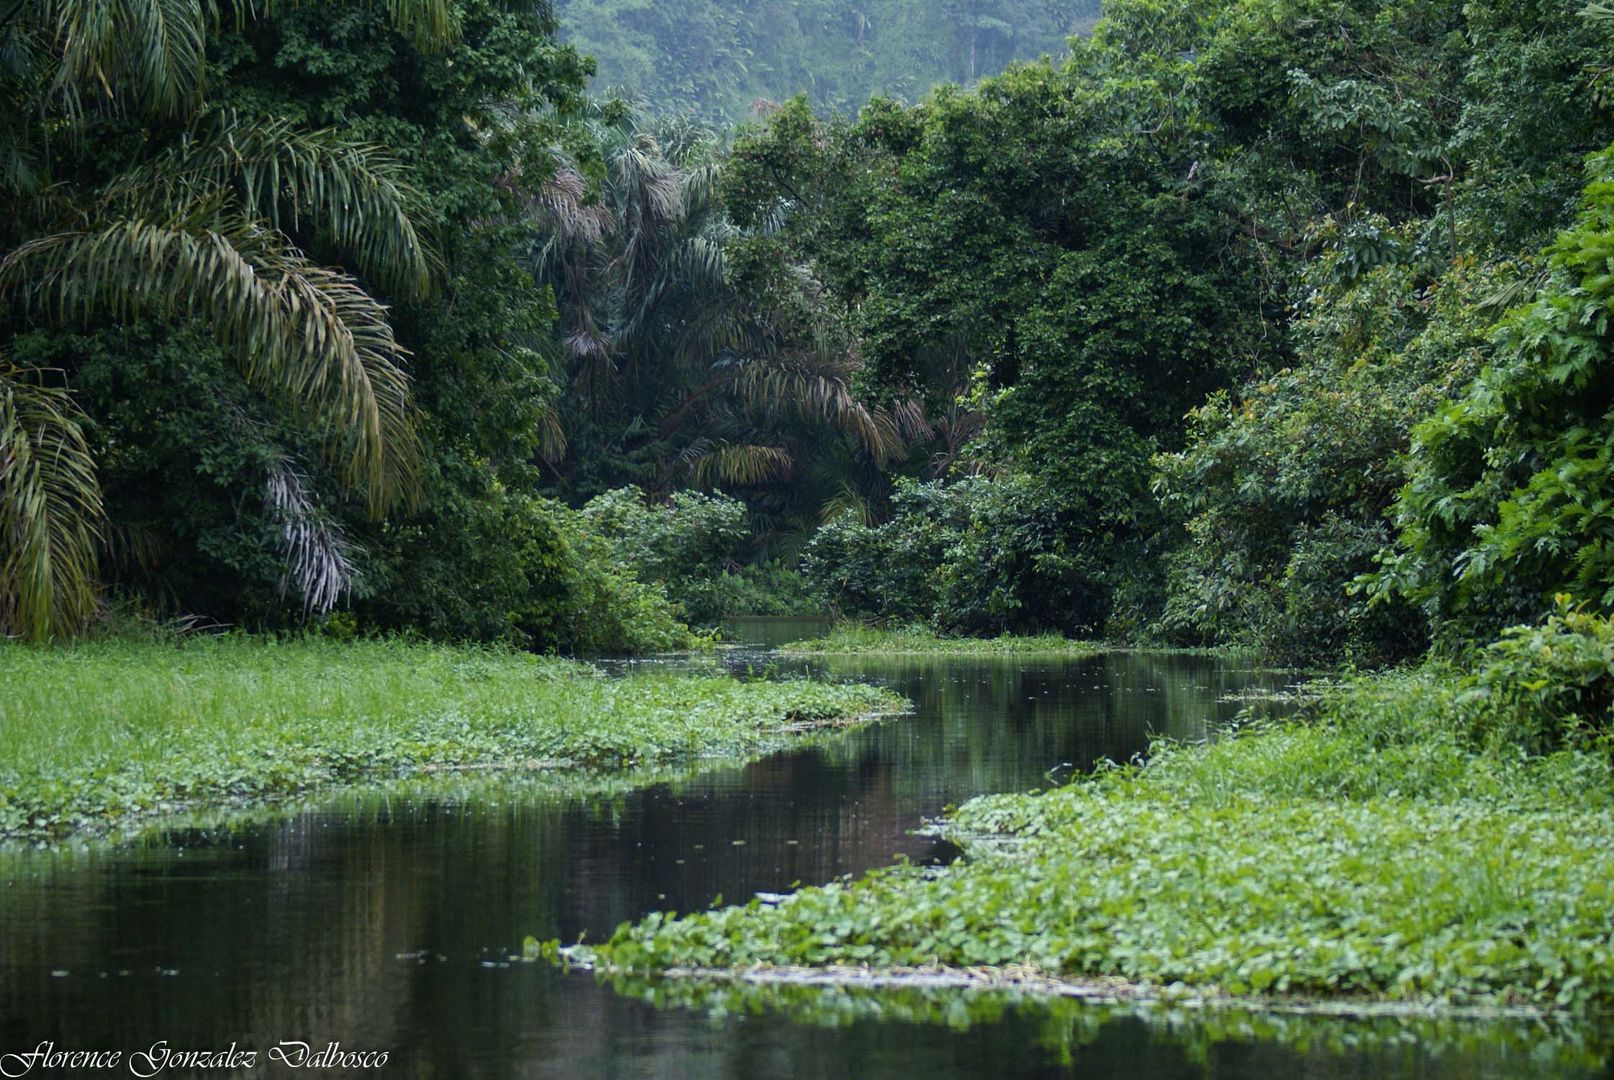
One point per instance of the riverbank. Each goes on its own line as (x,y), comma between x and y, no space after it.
(1374,851)
(98,735)
(849,639)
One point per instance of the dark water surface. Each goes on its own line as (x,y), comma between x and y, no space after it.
(387,920)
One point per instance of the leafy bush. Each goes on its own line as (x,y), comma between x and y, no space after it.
(690,546)
(1548,685)
(490,564)
(978,556)
(1511,495)
(1285,492)
(887,571)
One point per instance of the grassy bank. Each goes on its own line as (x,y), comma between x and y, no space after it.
(96,734)
(855,638)
(1380,849)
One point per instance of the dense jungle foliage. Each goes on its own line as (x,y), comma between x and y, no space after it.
(1264,322)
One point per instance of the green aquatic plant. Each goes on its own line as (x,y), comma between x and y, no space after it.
(100,734)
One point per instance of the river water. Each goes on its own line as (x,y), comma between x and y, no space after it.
(393,919)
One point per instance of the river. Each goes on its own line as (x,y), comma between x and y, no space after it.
(393,919)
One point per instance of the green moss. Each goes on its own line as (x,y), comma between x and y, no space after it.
(93,735)
(1373,852)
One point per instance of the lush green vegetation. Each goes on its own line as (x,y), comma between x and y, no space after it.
(99,733)
(1243,323)
(852,638)
(1271,323)
(693,545)
(718,58)
(1399,842)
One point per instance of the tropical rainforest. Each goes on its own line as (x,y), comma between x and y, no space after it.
(367,364)
(1281,323)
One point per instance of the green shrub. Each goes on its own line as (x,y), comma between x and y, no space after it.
(1284,493)
(690,545)
(978,556)
(1511,494)
(1549,685)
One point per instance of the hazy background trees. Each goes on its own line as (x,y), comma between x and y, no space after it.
(718,58)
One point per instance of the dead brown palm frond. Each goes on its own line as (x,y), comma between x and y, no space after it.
(353,191)
(303,332)
(50,511)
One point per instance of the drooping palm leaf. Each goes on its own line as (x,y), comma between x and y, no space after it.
(50,511)
(354,191)
(804,385)
(304,332)
(152,54)
(741,464)
(319,556)
(156,49)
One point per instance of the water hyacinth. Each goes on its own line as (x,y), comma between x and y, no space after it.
(99,733)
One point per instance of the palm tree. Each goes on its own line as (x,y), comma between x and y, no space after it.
(199,228)
(661,347)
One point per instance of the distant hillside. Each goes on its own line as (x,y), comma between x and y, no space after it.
(717,57)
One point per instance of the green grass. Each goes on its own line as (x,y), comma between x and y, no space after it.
(95,734)
(1372,852)
(851,638)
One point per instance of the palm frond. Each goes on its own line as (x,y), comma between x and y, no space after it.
(846,499)
(153,53)
(430,25)
(808,388)
(153,49)
(50,511)
(354,191)
(302,331)
(551,435)
(319,556)
(711,462)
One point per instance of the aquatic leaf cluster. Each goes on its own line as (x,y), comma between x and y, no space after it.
(103,733)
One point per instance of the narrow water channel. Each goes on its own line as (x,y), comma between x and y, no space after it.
(386,920)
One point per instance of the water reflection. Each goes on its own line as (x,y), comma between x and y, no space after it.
(388,919)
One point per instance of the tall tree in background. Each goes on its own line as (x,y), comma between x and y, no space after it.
(676,376)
